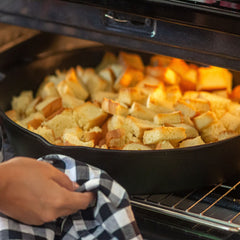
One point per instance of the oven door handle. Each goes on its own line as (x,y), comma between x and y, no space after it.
(107,15)
(129,24)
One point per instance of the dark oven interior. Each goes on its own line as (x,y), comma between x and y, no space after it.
(208,33)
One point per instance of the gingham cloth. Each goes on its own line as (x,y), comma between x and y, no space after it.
(111,216)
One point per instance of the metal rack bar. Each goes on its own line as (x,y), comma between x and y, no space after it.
(232,219)
(225,194)
(176,204)
(213,189)
(195,218)
(186,214)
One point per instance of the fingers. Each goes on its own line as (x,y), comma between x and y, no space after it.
(70,204)
(63,180)
(77,201)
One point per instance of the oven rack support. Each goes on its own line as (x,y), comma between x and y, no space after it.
(207,208)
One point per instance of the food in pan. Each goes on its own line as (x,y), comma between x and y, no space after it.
(126,105)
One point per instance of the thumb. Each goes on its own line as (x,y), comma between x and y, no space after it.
(77,200)
(63,180)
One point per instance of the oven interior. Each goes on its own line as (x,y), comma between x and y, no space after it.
(209,213)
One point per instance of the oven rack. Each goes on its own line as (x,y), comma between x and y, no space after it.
(217,207)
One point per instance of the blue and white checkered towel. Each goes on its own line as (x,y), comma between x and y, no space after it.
(111,216)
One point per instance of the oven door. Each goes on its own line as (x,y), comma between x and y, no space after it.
(205,33)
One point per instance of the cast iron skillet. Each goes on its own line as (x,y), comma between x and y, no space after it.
(140,172)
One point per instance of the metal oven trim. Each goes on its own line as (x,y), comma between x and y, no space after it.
(186,214)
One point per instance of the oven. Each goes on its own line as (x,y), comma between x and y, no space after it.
(204,32)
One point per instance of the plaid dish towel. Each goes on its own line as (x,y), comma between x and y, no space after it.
(111,216)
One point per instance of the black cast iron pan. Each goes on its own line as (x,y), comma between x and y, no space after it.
(140,172)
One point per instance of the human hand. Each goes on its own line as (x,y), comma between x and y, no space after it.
(35,192)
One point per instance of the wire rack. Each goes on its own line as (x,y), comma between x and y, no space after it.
(217,207)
